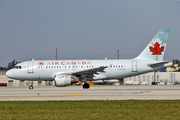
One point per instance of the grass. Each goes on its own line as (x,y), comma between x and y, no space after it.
(83,110)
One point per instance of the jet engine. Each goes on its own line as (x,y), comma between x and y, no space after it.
(65,80)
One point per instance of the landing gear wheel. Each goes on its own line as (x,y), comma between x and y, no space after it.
(30,87)
(86,86)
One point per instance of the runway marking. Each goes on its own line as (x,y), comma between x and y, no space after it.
(42,96)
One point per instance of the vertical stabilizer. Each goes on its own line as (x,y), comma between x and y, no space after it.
(156,48)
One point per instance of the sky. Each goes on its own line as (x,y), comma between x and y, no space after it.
(85,29)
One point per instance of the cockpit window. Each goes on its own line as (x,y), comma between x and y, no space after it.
(17,67)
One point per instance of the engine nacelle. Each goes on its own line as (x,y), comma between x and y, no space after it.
(62,80)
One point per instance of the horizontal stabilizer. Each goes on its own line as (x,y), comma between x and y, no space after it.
(152,65)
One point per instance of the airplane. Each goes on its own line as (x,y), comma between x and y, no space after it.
(65,72)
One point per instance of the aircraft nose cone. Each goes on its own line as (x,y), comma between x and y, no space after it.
(8,73)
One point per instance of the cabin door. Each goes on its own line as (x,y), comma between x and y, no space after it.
(134,66)
(30,67)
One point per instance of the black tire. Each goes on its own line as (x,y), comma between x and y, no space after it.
(86,86)
(31,87)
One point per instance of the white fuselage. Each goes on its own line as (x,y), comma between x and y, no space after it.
(48,69)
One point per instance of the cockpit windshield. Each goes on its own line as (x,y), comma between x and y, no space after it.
(17,67)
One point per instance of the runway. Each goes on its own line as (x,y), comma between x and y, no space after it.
(141,92)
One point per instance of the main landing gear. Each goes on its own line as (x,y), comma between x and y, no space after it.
(86,86)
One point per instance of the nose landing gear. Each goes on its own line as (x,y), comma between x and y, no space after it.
(31,86)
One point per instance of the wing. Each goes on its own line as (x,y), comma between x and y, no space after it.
(88,72)
(82,75)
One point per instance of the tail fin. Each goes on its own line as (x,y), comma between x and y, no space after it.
(156,48)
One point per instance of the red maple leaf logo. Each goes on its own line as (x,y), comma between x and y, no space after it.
(156,50)
(41,63)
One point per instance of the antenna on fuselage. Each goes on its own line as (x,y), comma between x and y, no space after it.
(56,53)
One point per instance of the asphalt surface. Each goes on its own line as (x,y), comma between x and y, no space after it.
(107,92)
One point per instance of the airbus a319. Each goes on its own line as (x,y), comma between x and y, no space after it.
(65,72)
